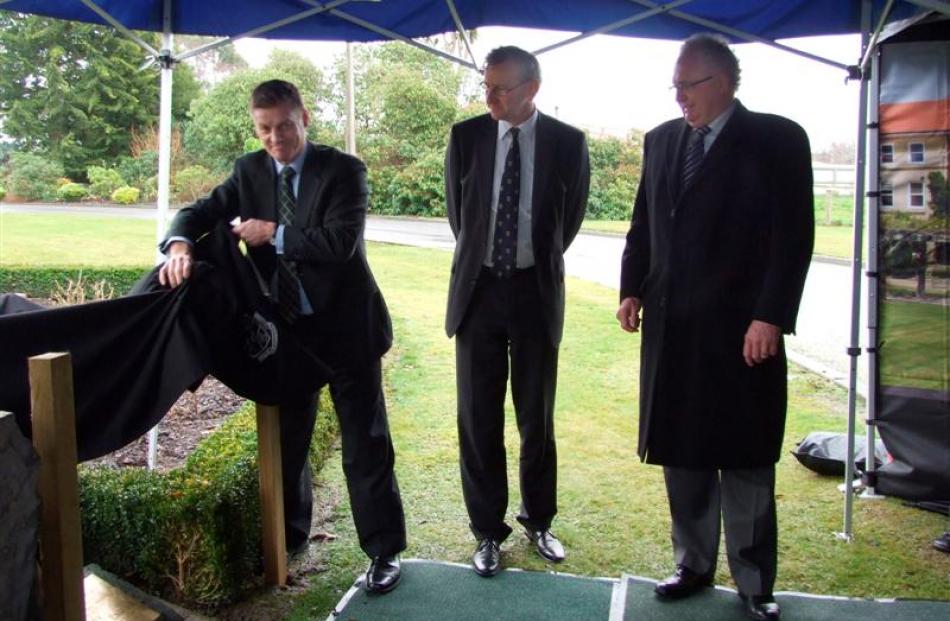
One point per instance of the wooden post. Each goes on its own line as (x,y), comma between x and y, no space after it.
(54,436)
(272,494)
(829,203)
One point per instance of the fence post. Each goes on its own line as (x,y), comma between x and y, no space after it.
(272,494)
(829,203)
(54,436)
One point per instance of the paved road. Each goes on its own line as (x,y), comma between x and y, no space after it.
(823,323)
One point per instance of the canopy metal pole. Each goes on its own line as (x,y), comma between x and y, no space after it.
(874,202)
(854,349)
(164,172)
(350,103)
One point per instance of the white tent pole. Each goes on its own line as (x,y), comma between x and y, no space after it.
(164,170)
(854,349)
(350,103)
(874,202)
(461,30)
(872,44)
(95,8)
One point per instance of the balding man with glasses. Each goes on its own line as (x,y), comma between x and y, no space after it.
(516,185)
(716,257)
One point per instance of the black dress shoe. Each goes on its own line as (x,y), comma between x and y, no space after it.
(683,583)
(546,544)
(761,607)
(383,574)
(487,557)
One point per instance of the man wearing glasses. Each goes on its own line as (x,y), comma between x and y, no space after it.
(516,185)
(716,257)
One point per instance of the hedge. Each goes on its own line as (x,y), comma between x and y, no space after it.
(192,535)
(40,282)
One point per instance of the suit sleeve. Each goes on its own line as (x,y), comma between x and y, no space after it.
(197,219)
(635,261)
(453,193)
(792,227)
(578,186)
(341,230)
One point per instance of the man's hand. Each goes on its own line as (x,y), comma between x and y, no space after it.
(629,314)
(177,267)
(761,342)
(255,232)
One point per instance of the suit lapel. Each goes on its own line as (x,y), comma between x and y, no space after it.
(724,146)
(264,184)
(545,147)
(675,167)
(487,143)
(310,180)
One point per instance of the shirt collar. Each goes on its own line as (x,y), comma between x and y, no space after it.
(526,129)
(720,121)
(297,164)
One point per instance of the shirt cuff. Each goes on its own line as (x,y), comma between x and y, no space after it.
(279,239)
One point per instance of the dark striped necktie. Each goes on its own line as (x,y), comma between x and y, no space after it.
(288,285)
(505,250)
(694,156)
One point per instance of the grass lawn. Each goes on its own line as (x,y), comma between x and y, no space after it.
(613,515)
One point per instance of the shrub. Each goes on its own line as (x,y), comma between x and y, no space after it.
(417,189)
(46,282)
(2,192)
(193,533)
(72,192)
(33,176)
(194,182)
(103,181)
(126,195)
(253,144)
(137,170)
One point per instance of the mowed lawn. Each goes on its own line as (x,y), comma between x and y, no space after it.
(613,515)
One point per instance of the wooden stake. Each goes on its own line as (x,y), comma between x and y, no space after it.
(54,436)
(272,494)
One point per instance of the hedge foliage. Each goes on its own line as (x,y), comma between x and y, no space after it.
(41,282)
(192,534)
(71,192)
(126,195)
(3,192)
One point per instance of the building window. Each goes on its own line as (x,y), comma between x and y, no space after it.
(887,195)
(916,195)
(887,153)
(916,150)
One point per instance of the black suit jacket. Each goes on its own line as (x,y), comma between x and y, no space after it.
(351,322)
(705,261)
(559,198)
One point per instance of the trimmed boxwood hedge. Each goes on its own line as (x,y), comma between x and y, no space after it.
(193,534)
(40,282)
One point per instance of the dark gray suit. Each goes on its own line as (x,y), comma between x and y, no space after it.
(523,314)
(350,329)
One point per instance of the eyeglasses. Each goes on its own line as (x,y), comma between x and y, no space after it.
(682,87)
(501,91)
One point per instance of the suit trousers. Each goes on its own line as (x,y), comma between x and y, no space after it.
(503,324)
(745,500)
(368,460)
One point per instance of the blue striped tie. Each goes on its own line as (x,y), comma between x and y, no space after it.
(694,156)
(288,285)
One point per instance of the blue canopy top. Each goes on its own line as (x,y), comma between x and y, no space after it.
(372,20)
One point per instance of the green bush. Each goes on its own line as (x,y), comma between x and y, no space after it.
(192,534)
(2,192)
(194,182)
(72,192)
(417,189)
(103,181)
(126,195)
(253,144)
(137,170)
(34,177)
(44,282)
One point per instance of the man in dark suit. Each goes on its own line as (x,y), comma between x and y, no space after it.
(716,257)
(516,189)
(302,210)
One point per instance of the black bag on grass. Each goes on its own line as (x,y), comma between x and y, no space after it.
(825,452)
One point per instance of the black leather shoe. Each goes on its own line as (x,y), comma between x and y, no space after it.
(761,607)
(546,544)
(683,583)
(942,542)
(487,557)
(383,574)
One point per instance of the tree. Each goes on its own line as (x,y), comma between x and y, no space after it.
(939,194)
(220,126)
(73,91)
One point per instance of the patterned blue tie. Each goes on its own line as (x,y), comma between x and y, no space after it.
(288,285)
(694,156)
(505,250)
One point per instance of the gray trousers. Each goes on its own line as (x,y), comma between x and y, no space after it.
(745,499)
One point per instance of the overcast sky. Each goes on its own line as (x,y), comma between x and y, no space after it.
(613,84)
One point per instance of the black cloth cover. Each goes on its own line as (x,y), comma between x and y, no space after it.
(133,357)
(826,453)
